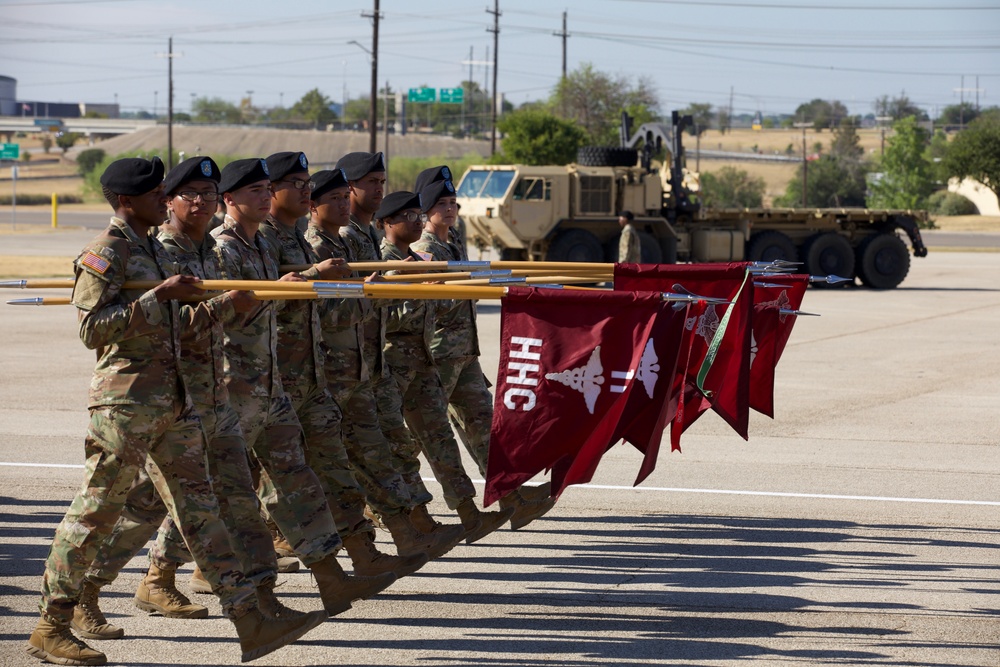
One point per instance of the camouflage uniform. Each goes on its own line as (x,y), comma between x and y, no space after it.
(349,380)
(202,370)
(363,244)
(139,407)
(301,366)
(629,246)
(409,332)
(290,491)
(455,348)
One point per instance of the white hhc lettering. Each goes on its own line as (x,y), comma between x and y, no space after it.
(526,345)
(508,398)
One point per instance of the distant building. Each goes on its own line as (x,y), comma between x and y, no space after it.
(8,96)
(11,106)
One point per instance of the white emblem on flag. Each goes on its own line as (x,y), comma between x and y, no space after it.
(753,348)
(585,379)
(649,367)
(782,301)
(708,324)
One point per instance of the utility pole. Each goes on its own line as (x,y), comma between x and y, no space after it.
(373,108)
(470,62)
(805,162)
(169,55)
(564,36)
(385,123)
(496,43)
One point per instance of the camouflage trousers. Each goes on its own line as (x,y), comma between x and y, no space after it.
(470,405)
(325,453)
(405,449)
(119,439)
(289,490)
(425,409)
(144,511)
(369,451)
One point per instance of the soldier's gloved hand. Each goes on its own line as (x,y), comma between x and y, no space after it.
(375,278)
(243,302)
(291,278)
(333,268)
(179,288)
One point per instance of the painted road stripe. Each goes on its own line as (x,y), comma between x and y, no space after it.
(668,489)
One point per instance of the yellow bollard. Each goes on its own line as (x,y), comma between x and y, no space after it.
(55,210)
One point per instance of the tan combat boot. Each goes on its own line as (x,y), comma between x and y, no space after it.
(479,524)
(198,583)
(271,607)
(525,511)
(158,593)
(88,620)
(281,544)
(54,642)
(260,635)
(448,534)
(369,561)
(410,541)
(535,493)
(338,590)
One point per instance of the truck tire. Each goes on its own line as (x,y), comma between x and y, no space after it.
(649,249)
(883,261)
(829,254)
(770,245)
(606,156)
(513,255)
(575,245)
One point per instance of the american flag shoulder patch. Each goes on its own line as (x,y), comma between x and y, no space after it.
(426,256)
(95,262)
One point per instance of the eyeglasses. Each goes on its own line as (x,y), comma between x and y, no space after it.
(300,183)
(410,216)
(191,195)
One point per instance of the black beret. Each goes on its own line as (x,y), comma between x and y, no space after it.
(434,191)
(326,180)
(360,164)
(243,172)
(396,202)
(428,176)
(283,164)
(627,215)
(200,168)
(133,176)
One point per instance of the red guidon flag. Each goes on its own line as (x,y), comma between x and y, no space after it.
(717,348)
(569,361)
(772,325)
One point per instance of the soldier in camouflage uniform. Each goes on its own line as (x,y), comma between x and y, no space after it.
(455,344)
(191,191)
(409,331)
(349,379)
(289,489)
(303,371)
(140,408)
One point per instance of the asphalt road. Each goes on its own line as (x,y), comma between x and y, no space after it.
(858,528)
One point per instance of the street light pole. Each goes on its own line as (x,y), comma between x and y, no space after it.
(805,163)
(373,107)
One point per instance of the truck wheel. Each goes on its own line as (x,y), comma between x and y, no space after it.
(829,254)
(575,245)
(770,245)
(606,156)
(883,261)
(513,255)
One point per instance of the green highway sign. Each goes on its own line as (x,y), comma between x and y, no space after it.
(452,95)
(421,95)
(10,151)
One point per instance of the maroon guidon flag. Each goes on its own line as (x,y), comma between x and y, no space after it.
(774,296)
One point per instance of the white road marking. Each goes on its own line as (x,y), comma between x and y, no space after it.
(668,489)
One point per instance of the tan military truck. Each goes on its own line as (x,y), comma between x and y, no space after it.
(570,213)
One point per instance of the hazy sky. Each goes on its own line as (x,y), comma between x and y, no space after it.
(773,54)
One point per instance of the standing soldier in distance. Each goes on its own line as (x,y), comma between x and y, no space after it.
(629,247)
(140,408)
(302,367)
(350,382)
(409,331)
(192,190)
(290,490)
(455,343)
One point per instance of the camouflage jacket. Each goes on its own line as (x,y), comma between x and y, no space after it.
(343,327)
(362,242)
(300,338)
(455,334)
(251,342)
(629,247)
(137,339)
(202,356)
(409,324)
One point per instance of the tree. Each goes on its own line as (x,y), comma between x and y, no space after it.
(723,121)
(821,113)
(846,144)
(215,110)
(314,107)
(906,176)
(975,152)
(65,140)
(731,188)
(831,181)
(533,136)
(88,160)
(46,142)
(701,113)
(898,108)
(958,114)
(594,101)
